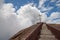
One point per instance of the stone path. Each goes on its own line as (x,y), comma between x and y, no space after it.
(46,34)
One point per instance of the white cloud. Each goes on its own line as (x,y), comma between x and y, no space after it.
(46,9)
(57,21)
(58,1)
(7,10)
(53,0)
(53,16)
(29,12)
(58,4)
(53,22)
(10,23)
(42,7)
(41,2)
(1,3)
(43,17)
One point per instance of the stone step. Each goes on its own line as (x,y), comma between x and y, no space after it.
(46,32)
(48,39)
(47,36)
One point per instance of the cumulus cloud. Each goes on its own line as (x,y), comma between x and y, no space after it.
(11,23)
(43,17)
(8,21)
(29,12)
(7,10)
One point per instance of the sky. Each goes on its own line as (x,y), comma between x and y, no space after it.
(16,15)
(49,3)
(18,3)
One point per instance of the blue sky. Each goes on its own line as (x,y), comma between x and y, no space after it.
(18,3)
(52,4)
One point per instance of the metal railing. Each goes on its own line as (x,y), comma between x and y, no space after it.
(55,30)
(31,33)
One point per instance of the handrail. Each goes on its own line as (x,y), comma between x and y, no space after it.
(31,33)
(55,30)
